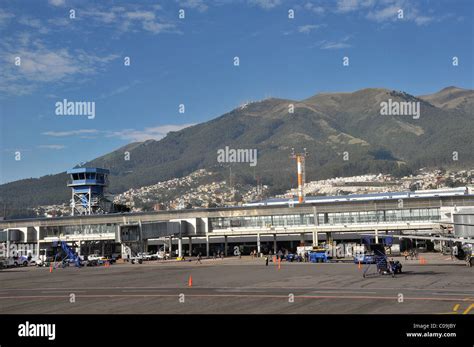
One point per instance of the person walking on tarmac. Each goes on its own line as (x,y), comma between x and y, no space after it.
(199,258)
(454,252)
(266,260)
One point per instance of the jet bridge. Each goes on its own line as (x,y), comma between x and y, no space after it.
(134,237)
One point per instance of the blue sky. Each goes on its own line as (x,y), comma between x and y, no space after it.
(190,61)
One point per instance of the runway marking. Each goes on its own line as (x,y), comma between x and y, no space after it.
(313,288)
(468,309)
(261,296)
(460,294)
(457,306)
(61,291)
(220,290)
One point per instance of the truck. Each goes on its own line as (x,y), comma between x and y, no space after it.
(364,258)
(318,255)
(136,260)
(18,261)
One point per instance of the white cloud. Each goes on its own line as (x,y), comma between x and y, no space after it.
(335,44)
(5,17)
(153,133)
(56,147)
(265,4)
(129,19)
(387,13)
(352,5)
(132,135)
(33,23)
(199,5)
(40,64)
(118,90)
(46,66)
(385,10)
(413,14)
(314,8)
(59,22)
(44,63)
(390,13)
(140,15)
(306,29)
(57,2)
(71,132)
(157,28)
(97,15)
(422,20)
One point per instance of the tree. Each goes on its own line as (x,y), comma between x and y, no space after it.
(449,182)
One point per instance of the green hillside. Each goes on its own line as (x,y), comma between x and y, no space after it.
(326,124)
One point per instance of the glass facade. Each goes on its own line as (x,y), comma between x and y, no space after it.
(262,221)
(88,176)
(336,218)
(87,229)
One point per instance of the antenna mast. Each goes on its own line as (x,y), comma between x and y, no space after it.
(300,162)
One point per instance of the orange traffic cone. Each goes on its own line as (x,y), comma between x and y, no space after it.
(190,281)
(279,263)
(51,268)
(359,266)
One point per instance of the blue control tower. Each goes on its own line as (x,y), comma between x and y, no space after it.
(88,191)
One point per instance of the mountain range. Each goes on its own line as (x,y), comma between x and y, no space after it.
(344,134)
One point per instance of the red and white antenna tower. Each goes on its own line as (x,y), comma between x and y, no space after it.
(300,162)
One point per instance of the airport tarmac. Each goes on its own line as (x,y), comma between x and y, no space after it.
(239,286)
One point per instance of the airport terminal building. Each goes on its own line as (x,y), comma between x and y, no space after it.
(262,226)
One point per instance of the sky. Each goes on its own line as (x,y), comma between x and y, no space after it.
(52,50)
